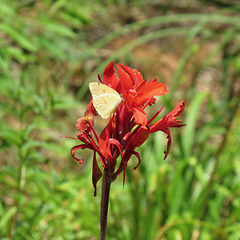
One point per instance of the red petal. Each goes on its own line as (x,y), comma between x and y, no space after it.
(74,149)
(110,76)
(150,90)
(155,115)
(70,137)
(130,98)
(83,123)
(139,77)
(112,163)
(138,138)
(167,131)
(129,72)
(122,167)
(140,116)
(177,110)
(139,159)
(96,174)
(103,142)
(159,125)
(169,120)
(125,80)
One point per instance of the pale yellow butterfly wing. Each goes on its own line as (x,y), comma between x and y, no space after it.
(105,99)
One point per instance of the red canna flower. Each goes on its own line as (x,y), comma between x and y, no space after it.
(128,127)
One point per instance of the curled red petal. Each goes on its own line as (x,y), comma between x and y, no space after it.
(75,148)
(117,144)
(139,159)
(112,163)
(177,110)
(169,120)
(122,167)
(169,142)
(96,174)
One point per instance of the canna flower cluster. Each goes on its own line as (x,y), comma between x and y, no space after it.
(128,127)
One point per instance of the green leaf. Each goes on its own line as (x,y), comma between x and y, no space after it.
(191,121)
(10,135)
(6,9)
(6,217)
(18,37)
(57,28)
(29,145)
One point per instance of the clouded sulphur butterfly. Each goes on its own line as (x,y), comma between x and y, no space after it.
(105,99)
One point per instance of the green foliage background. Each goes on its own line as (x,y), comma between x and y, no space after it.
(50,51)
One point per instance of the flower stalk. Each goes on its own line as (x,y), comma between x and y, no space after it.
(106,183)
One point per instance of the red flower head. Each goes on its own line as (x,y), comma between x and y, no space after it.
(128,126)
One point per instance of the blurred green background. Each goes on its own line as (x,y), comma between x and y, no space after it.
(50,50)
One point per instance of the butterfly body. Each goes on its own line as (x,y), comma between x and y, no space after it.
(105,99)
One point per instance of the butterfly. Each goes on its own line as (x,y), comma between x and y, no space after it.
(105,99)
